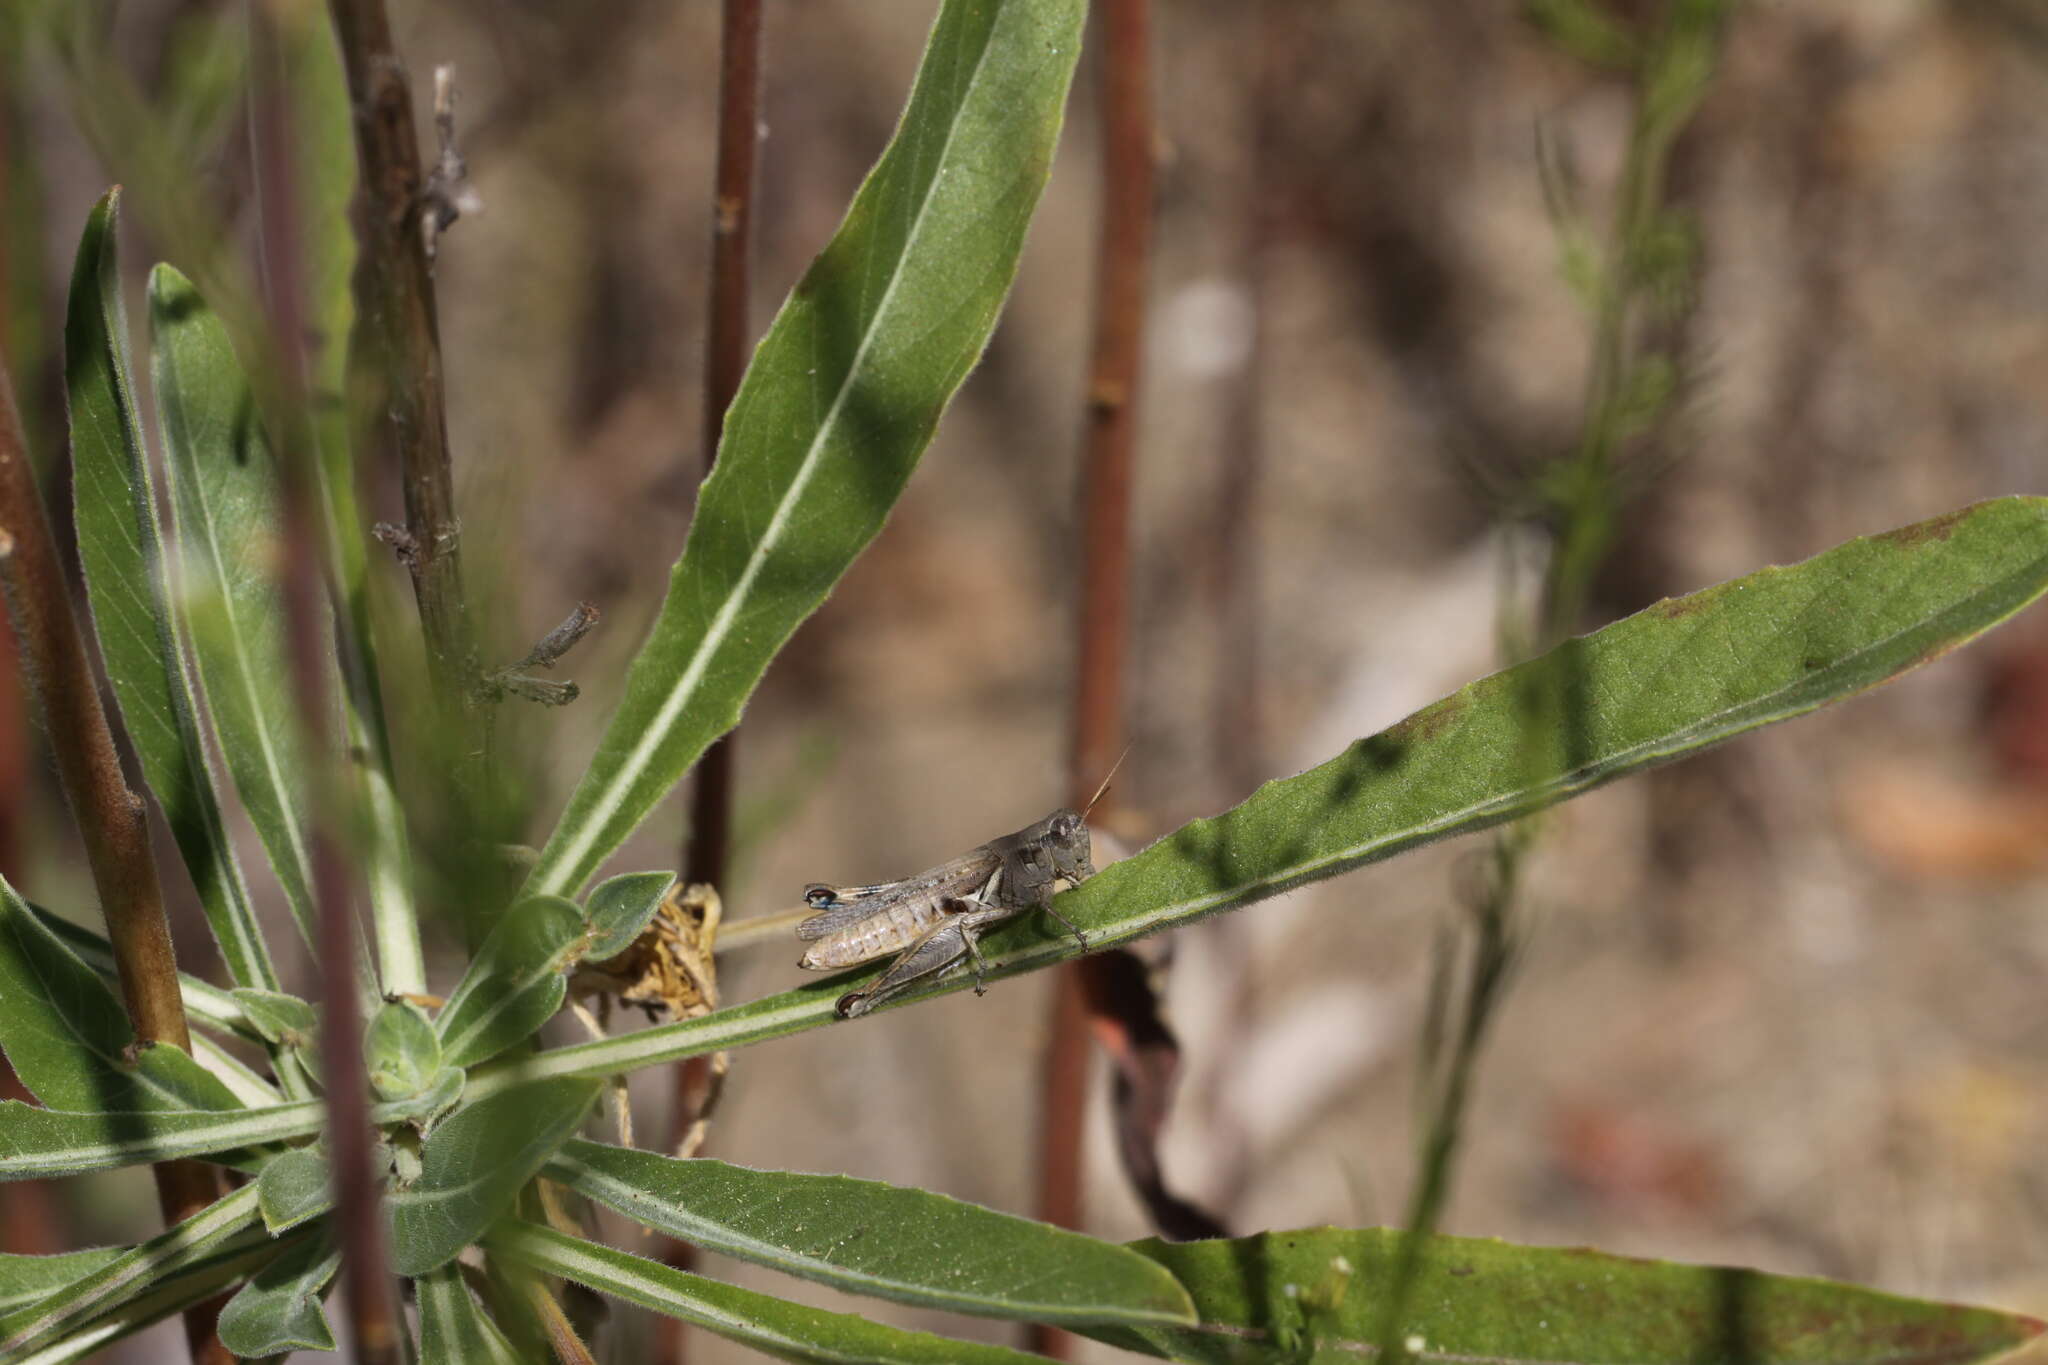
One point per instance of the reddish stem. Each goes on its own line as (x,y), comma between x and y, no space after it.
(302,586)
(1105,575)
(110,817)
(708,851)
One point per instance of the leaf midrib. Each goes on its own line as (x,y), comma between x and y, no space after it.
(566,871)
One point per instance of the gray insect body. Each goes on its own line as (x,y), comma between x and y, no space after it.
(937,917)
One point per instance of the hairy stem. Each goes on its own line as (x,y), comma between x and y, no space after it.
(110,817)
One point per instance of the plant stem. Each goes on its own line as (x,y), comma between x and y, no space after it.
(303,590)
(110,817)
(397,350)
(1104,626)
(708,852)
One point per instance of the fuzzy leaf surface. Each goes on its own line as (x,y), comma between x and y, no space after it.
(225,1222)
(294,1186)
(776,1327)
(401,1052)
(454,1330)
(620,908)
(1285,1297)
(24,1279)
(38,1142)
(515,982)
(207,1004)
(121,547)
(69,1039)
(224,487)
(279,1017)
(866,1237)
(841,399)
(279,1310)
(1675,678)
(474,1164)
(151,1303)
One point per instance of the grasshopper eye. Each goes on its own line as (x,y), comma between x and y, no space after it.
(1066,825)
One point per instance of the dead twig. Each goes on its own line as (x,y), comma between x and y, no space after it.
(395,359)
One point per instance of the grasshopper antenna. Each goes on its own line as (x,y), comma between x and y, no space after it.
(1106,781)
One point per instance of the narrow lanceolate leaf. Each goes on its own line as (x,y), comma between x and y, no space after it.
(206,1004)
(454,1330)
(620,908)
(214,1228)
(38,1142)
(869,1238)
(784,1330)
(1282,1297)
(24,1279)
(121,547)
(279,1310)
(69,1039)
(249,1089)
(840,401)
(1672,680)
(151,1303)
(224,487)
(474,1164)
(515,982)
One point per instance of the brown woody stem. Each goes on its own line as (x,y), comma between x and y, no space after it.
(110,817)
(396,357)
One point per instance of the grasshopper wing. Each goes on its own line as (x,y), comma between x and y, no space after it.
(847,906)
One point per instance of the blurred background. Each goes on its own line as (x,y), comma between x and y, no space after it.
(1779,1006)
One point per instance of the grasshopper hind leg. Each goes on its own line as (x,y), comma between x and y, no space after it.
(942,946)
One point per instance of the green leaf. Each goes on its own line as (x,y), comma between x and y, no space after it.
(785,1330)
(279,1310)
(401,1051)
(425,1109)
(160,1299)
(24,1279)
(841,399)
(474,1164)
(1676,678)
(514,983)
(224,487)
(280,1018)
(292,1187)
(224,1223)
(69,1039)
(39,1142)
(326,179)
(205,1003)
(619,909)
(140,627)
(1296,1296)
(453,1329)
(121,546)
(869,1238)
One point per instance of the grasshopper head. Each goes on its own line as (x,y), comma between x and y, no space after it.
(1066,839)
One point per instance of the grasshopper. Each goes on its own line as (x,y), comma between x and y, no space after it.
(937,917)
